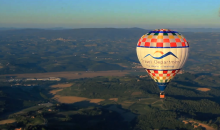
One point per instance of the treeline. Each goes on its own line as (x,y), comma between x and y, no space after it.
(107,88)
(62,117)
(17,98)
(182,98)
(182,86)
(183,101)
(37,64)
(161,120)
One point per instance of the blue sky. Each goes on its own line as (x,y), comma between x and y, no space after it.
(110,13)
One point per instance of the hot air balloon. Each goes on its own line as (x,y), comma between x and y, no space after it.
(162,52)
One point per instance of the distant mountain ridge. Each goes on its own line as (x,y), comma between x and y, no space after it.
(91,33)
(196,29)
(134,28)
(83,33)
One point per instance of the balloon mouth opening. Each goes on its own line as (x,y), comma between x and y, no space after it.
(162,86)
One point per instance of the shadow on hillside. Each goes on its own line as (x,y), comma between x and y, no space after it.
(80,116)
(181,97)
(78,105)
(205,116)
(199,74)
(90,116)
(189,84)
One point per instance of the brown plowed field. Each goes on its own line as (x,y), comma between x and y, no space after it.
(74,99)
(200,124)
(61,85)
(55,91)
(114,99)
(70,99)
(203,89)
(2,122)
(136,93)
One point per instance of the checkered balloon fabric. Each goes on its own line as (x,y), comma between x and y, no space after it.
(162,76)
(162,38)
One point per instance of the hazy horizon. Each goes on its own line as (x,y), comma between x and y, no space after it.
(110,14)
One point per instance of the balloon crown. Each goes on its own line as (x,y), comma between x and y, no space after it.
(162,30)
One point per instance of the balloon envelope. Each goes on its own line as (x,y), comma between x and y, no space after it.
(162,52)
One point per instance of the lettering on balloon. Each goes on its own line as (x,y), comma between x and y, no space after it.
(166,62)
(160,62)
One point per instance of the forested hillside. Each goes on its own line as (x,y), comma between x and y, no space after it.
(39,50)
(130,101)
